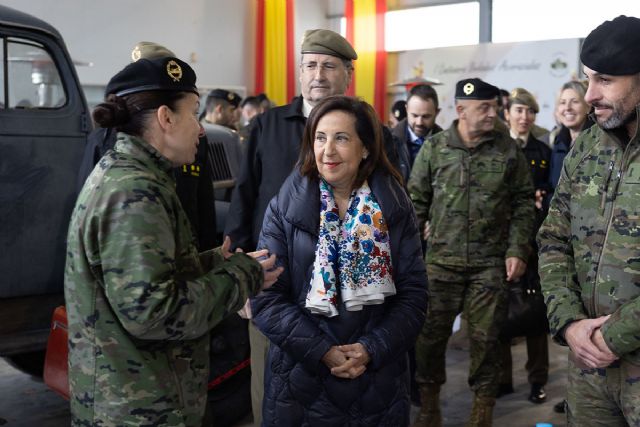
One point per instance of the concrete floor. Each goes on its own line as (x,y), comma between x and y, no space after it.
(27,402)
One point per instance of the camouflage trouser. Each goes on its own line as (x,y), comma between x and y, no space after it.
(482,294)
(604,397)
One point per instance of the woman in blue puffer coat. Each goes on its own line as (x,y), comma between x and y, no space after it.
(353,294)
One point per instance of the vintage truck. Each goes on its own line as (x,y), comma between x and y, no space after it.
(44,124)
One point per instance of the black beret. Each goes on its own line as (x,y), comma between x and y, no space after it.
(327,42)
(231,97)
(399,110)
(613,47)
(159,74)
(475,89)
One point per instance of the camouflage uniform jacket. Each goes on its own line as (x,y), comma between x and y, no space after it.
(140,299)
(590,241)
(479,201)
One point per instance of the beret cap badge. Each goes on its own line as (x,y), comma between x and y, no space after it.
(468,88)
(136,54)
(174,70)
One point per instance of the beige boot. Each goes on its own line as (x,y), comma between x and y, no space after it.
(481,412)
(430,415)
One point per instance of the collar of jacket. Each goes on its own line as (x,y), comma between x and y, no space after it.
(401,131)
(302,204)
(616,133)
(294,109)
(140,149)
(455,139)
(531,141)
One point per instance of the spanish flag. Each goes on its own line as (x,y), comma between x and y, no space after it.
(365,32)
(275,61)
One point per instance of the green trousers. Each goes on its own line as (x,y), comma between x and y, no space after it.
(481,293)
(607,397)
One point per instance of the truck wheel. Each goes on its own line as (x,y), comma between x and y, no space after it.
(29,363)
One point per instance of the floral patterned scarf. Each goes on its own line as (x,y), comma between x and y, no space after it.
(354,254)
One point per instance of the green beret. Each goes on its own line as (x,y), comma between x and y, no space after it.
(327,42)
(613,47)
(149,50)
(523,97)
(159,74)
(476,89)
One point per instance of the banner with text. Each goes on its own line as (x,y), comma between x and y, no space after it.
(541,67)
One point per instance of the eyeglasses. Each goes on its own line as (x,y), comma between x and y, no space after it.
(312,67)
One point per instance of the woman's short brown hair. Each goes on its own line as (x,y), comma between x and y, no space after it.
(368,128)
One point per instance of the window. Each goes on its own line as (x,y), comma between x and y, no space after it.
(432,26)
(526,20)
(32,79)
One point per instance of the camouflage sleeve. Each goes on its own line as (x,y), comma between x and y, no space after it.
(621,331)
(138,260)
(522,209)
(556,264)
(419,185)
(211,258)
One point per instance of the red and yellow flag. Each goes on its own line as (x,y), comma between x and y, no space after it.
(275,61)
(365,31)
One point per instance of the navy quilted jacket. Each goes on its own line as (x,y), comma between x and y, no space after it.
(299,388)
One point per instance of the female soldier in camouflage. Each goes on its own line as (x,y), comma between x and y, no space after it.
(140,299)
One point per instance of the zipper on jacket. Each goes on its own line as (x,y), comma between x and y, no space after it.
(594,293)
(468,189)
(605,186)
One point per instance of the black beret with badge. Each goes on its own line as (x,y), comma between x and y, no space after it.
(231,97)
(613,47)
(159,74)
(476,89)
(399,110)
(327,42)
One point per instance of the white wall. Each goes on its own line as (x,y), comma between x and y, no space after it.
(215,36)
(309,15)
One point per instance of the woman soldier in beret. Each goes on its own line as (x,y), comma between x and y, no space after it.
(139,296)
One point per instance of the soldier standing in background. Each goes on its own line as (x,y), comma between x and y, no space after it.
(589,243)
(520,112)
(474,187)
(221,107)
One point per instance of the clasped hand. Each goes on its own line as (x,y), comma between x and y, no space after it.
(587,343)
(347,361)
